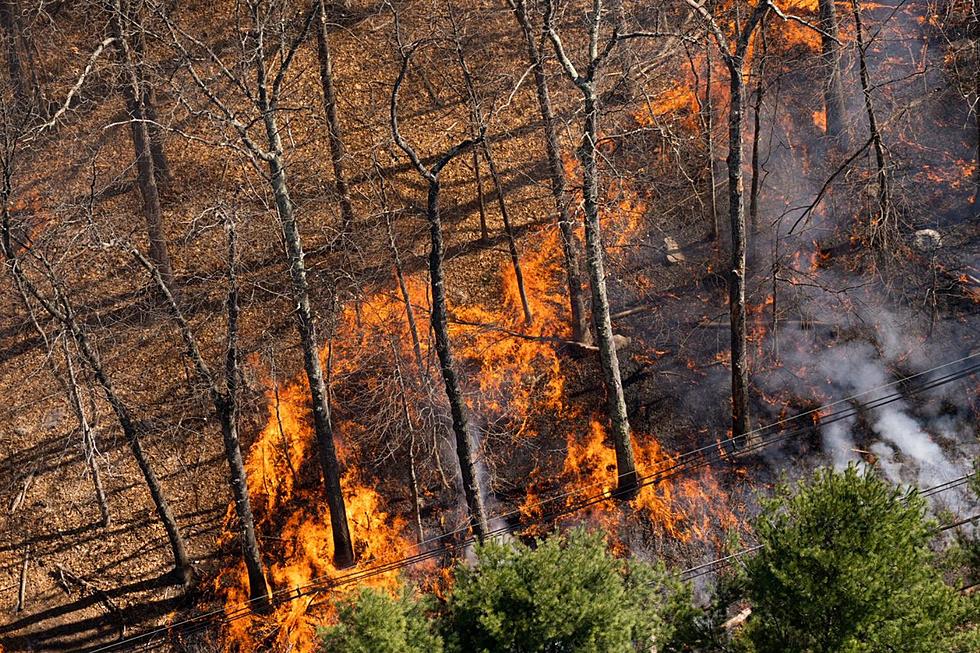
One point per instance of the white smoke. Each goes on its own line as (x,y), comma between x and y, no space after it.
(838,444)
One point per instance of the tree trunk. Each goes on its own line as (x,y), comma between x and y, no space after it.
(569,245)
(15,68)
(627,481)
(736,279)
(464,445)
(515,259)
(334,134)
(881,174)
(976,96)
(88,438)
(161,166)
(146,173)
(343,546)
(833,81)
(480,199)
(226,406)
(440,314)
(709,131)
(65,315)
(400,277)
(182,564)
(258,589)
(148,98)
(407,416)
(756,136)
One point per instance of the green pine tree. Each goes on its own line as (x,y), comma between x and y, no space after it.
(845,567)
(566,593)
(373,621)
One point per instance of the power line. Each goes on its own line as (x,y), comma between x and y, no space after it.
(697,458)
(713,565)
(687,575)
(687,461)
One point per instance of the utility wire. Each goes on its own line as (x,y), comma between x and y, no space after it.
(687,461)
(686,575)
(711,566)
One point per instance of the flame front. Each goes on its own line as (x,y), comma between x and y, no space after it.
(294,530)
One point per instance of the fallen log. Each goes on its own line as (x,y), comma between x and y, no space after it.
(527,336)
(22,587)
(19,499)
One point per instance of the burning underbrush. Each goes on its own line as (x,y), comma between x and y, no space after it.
(819,330)
(400,481)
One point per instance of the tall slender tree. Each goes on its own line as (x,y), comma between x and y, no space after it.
(224,397)
(335,134)
(263,95)
(485,147)
(148,96)
(585,82)
(880,221)
(475,501)
(61,309)
(734,59)
(57,304)
(23,76)
(833,91)
(556,170)
(139,121)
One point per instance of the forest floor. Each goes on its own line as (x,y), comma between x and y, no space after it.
(48,515)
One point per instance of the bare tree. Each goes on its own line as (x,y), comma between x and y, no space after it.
(440,315)
(706,122)
(734,59)
(89,450)
(69,382)
(263,97)
(569,244)
(132,90)
(627,483)
(57,304)
(60,309)
(335,134)
(833,81)
(480,123)
(880,222)
(757,104)
(148,96)
(224,396)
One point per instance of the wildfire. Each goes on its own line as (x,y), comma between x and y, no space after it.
(375,360)
(795,34)
(820,120)
(678,102)
(519,376)
(680,509)
(293,515)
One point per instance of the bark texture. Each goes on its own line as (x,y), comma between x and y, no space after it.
(225,401)
(627,484)
(556,170)
(627,477)
(132,90)
(306,324)
(465,454)
(833,81)
(335,135)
